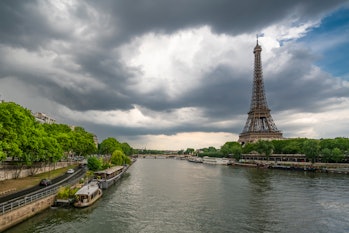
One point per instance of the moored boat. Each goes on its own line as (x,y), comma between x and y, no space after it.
(209,160)
(213,160)
(223,161)
(87,195)
(107,177)
(195,159)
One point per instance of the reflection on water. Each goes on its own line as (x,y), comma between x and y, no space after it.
(164,195)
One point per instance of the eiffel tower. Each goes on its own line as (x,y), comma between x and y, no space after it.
(259,124)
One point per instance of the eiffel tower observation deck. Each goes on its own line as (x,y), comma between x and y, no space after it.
(259,124)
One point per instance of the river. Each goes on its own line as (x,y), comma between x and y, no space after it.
(168,195)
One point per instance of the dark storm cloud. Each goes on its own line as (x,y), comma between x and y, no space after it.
(222,92)
(224,16)
(23,25)
(103,130)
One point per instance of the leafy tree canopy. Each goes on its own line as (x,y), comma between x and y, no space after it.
(311,148)
(109,145)
(94,163)
(119,158)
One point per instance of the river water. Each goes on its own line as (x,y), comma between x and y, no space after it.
(168,195)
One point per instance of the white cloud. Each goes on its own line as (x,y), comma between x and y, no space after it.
(178,62)
(289,29)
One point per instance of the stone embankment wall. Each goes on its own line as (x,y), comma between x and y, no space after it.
(16,216)
(7,173)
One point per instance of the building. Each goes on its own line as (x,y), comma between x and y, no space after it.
(259,124)
(43,118)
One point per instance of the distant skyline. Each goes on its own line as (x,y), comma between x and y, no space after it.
(165,74)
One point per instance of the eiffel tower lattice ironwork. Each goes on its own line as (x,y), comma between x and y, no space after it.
(259,124)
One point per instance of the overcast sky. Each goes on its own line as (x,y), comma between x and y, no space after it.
(173,74)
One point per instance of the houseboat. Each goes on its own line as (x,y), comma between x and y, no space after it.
(107,177)
(87,195)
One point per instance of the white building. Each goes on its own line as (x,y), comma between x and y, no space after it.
(43,118)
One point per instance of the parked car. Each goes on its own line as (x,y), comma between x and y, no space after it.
(45,182)
(70,171)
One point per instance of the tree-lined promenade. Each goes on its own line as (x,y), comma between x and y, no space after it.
(25,142)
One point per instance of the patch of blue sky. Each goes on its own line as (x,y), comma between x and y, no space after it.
(330,40)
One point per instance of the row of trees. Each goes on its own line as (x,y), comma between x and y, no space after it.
(114,153)
(109,145)
(118,158)
(324,150)
(30,143)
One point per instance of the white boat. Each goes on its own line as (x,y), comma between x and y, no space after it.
(107,177)
(213,160)
(87,195)
(209,160)
(195,159)
(223,161)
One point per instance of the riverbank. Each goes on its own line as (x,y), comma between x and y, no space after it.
(340,168)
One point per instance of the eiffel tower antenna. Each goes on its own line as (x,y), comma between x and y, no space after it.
(259,124)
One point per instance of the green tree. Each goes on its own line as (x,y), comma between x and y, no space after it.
(232,149)
(16,126)
(21,135)
(94,163)
(265,147)
(311,149)
(119,158)
(249,147)
(237,151)
(326,155)
(126,148)
(189,151)
(83,144)
(341,143)
(109,145)
(292,148)
(279,146)
(63,134)
(337,155)
(2,153)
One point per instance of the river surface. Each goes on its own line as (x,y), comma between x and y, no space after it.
(168,195)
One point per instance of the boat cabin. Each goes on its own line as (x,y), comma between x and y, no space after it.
(87,195)
(108,173)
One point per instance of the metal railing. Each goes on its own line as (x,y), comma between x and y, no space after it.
(17,203)
(40,194)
